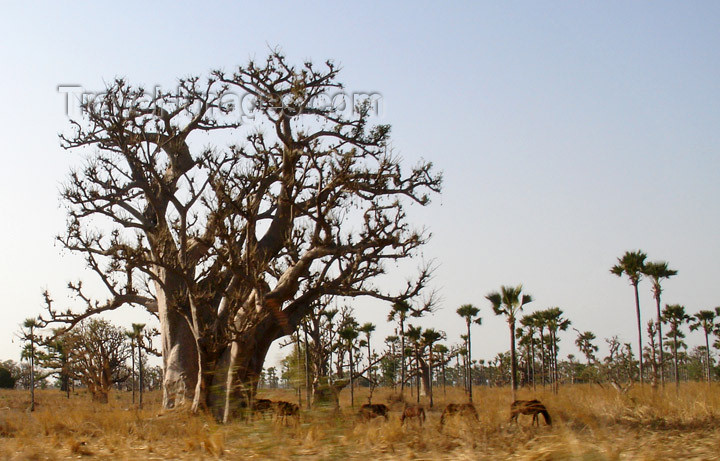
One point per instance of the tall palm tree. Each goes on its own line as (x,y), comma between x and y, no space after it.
(131,336)
(400,310)
(414,334)
(29,335)
(530,324)
(138,335)
(349,333)
(442,350)
(658,271)
(430,337)
(632,264)
(509,301)
(391,341)
(470,314)
(541,324)
(675,316)
(368,328)
(555,322)
(706,321)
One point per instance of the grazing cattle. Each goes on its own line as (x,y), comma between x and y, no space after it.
(373,410)
(529,407)
(460,409)
(262,407)
(413,411)
(285,410)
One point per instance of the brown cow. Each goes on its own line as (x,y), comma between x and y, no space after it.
(460,409)
(283,410)
(529,407)
(373,410)
(413,411)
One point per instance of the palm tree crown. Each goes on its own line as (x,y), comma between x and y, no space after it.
(631,264)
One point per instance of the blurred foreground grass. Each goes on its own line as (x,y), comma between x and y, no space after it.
(589,423)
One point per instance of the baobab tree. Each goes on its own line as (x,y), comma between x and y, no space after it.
(509,301)
(232,246)
(470,314)
(705,320)
(657,271)
(632,264)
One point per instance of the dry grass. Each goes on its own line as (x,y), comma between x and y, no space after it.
(589,423)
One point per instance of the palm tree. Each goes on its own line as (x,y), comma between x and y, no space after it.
(674,314)
(349,333)
(530,324)
(658,271)
(368,328)
(632,264)
(391,341)
(430,337)
(509,302)
(414,334)
(584,343)
(29,335)
(138,335)
(555,322)
(706,321)
(131,335)
(442,350)
(541,323)
(469,313)
(400,310)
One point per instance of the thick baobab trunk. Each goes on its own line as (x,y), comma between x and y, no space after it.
(179,351)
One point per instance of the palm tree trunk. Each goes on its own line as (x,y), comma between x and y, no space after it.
(513,360)
(132,347)
(660,341)
(140,383)
(430,375)
(352,390)
(532,352)
(402,355)
(469,355)
(675,359)
(639,327)
(707,356)
(542,351)
(417,373)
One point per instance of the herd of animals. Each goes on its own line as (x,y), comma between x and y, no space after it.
(286,411)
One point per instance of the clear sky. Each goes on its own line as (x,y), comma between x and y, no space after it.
(568,133)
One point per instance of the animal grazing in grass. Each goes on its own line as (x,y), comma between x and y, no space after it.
(413,411)
(460,409)
(373,410)
(285,410)
(262,407)
(529,407)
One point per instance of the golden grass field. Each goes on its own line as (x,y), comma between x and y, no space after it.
(589,423)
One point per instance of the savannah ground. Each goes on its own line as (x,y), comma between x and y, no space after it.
(589,422)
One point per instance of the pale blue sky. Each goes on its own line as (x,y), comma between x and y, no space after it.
(568,132)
